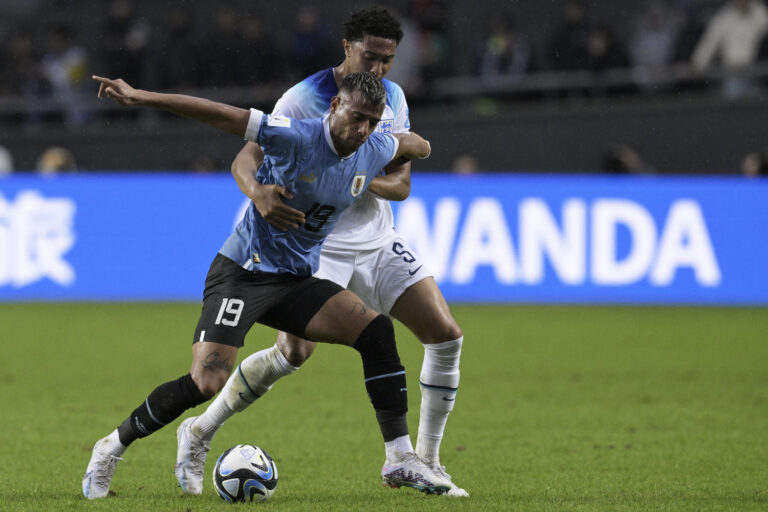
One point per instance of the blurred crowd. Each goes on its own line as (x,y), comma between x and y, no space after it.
(660,46)
(666,40)
(178,50)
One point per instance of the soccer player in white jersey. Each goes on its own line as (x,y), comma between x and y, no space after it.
(263,274)
(363,254)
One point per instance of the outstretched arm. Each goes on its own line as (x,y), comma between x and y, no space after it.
(219,115)
(267,198)
(395,185)
(412,145)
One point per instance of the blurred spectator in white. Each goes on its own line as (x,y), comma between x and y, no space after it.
(64,67)
(755,165)
(506,51)
(54,160)
(652,44)
(465,164)
(6,161)
(733,37)
(125,44)
(568,43)
(310,42)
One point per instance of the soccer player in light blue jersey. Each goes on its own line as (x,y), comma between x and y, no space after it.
(264,274)
(363,253)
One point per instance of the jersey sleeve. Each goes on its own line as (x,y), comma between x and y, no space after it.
(302,101)
(386,146)
(277,135)
(400,109)
(289,104)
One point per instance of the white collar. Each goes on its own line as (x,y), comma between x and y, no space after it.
(329,140)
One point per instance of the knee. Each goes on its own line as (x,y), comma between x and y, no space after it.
(294,349)
(210,383)
(448,330)
(377,339)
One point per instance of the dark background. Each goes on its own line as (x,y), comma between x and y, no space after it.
(541,120)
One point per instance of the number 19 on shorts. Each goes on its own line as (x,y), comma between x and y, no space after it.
(233,307)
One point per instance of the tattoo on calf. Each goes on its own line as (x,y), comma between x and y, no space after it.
(358,308)
(214,363)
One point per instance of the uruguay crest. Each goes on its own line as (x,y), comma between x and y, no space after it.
(358,182)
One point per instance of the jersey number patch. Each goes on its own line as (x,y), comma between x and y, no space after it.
(232,307)
(407,255)
(317,216)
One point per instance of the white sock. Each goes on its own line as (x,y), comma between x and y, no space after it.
(113,444)
(251,379)
(398,448)
(439,382)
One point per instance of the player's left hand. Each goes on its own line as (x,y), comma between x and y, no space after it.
(118,90)
(269,202)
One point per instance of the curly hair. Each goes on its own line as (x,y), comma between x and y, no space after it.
(368,85)
(374,21)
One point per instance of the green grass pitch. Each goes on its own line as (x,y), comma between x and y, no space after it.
(560,408)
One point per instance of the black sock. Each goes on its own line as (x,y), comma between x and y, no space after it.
(384,377)
(163,405)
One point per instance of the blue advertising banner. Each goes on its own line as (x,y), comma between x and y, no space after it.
(592,239)
(486,238)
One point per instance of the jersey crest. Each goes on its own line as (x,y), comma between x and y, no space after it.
(357,184)
(386,125)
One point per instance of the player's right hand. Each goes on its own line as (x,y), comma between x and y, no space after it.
(118,90)
(269,202)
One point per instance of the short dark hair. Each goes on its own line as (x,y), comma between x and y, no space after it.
(374,21)
(368,85)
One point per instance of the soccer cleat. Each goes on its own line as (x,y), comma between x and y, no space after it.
(454,490)
(190,458)
(413,472)
(101,468)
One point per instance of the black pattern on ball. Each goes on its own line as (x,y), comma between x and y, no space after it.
(245,473)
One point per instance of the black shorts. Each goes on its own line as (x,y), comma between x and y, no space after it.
(235,299)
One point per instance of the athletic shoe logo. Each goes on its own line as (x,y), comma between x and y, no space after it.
(411,272)
(449,399)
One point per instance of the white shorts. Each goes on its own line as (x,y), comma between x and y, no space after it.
(378,276)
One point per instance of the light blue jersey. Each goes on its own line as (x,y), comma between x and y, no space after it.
(299,155)
(368,223)
(311,98)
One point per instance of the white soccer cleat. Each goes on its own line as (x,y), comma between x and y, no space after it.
(101,468)
(413,472)
(190,458)
(455,491)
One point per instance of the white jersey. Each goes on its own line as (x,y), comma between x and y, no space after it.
(369,222)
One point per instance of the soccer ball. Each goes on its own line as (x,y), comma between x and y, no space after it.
(245,473)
